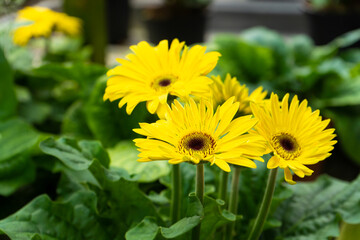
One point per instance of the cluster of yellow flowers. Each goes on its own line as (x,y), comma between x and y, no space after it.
(42,22)
(200,126)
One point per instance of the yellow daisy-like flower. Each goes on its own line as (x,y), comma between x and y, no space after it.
(151,74)
(194,133)
(222,91)
(296,135)
(42,22)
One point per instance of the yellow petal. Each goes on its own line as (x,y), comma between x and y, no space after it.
(288,176)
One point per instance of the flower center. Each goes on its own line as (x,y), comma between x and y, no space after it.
(286,146)
(165,82)
(197,143)
(162,83)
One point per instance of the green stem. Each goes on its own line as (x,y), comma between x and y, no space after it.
(264,207)
(199,191)
(176,194)
(233,202)
(223,185)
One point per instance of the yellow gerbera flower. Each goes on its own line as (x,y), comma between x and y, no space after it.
(193,133)
(42,22)
(296,135)
(152,73)
(222,91)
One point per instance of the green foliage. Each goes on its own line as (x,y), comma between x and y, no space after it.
(107,122)
(85,163)
(75,218)
(329,198)
(248,61)
(124,155)
(8,102)
(16,142)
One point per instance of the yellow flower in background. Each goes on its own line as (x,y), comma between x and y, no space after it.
(42,22)
(296,135)
(222,91)
(151,74)
(194,133)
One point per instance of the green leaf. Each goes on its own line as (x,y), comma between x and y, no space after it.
(74,122)
(347,39)
(107,122)
(76,156)
(16,173)
(180,227)
(75,218)
(8,102)
(124,155)
(247,61)
(272,41)
(17,139)
(214,217)
(312,211)
(84,74)
(119,198)
(147,229)
(301,47)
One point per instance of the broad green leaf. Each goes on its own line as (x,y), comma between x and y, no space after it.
(117,187)
(75,218)
(119,198)
(84,74)
(346,93)
(8,102)
(214,217)
(312,211)
(181,227)
(271,40)
(107,122)
(147,229)
(301,47)
(35,112)
(16,173)
(17,140)
(74,122)
(247,61)
(75,155)
(124,155)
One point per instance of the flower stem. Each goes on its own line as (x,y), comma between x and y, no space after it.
(199,191)
(176,194)
(233,202)
(264,207)
(223,185)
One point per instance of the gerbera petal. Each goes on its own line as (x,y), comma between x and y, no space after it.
(273,162)
(223,165)
(288,176)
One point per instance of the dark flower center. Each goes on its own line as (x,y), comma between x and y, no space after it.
(287,144)
(165,82)
(196,143)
